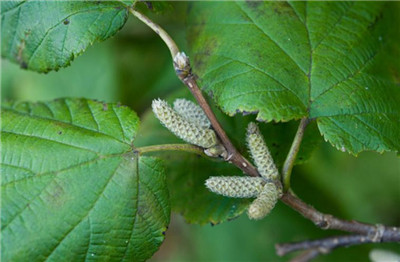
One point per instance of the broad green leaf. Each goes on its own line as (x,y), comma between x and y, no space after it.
(47,35)
(73,188)
(336,62)
(187,172)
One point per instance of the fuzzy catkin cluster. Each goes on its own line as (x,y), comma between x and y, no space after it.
(265,202)
(260,153)
(235,186)
(182,127)
(191,112)
(267,189)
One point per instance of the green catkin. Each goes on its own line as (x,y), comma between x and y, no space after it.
(191,112)
(265,202)
(181,127)
(236,186)
(260,153)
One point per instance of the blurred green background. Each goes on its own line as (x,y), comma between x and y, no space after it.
(135,67)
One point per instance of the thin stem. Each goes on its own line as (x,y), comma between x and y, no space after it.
(172,147)
(173,48)
(322,246)
(291,157)
(325,221)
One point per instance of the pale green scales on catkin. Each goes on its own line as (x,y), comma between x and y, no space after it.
(236,186)
(181,127)
(260,153)
(191,112)
(265,202)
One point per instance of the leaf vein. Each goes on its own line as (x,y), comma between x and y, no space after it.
(265,33)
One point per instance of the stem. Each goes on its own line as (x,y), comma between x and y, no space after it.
(323,246)
(291,157)
(173,48)
(325,221)
(171,147)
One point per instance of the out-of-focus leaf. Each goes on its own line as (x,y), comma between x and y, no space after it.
(46,35)
(330,61)
(73,187)
(93,76)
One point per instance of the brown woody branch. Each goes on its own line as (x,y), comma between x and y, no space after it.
(378,232)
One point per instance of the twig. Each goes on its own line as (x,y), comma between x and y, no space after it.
(172,147)
(291,157)
(322,246)
(173,48)
(324,221)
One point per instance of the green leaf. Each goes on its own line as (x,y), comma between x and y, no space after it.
(47,35)
(187,172)
(72,186)
(336,62)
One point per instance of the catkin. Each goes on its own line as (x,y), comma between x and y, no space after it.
(191,112)
(260,153)
(183,128)
(265,202)
(236,186)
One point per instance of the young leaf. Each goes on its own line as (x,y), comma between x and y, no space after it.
(336,62)
(46,35)
(72,186)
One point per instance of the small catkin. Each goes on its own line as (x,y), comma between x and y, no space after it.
(260,153)
(183,128)
(265,202)
(236,186)
(191,112)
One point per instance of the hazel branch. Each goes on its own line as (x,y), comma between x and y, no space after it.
(326,221)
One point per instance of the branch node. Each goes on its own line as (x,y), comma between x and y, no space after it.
(378,233)
(325,222)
